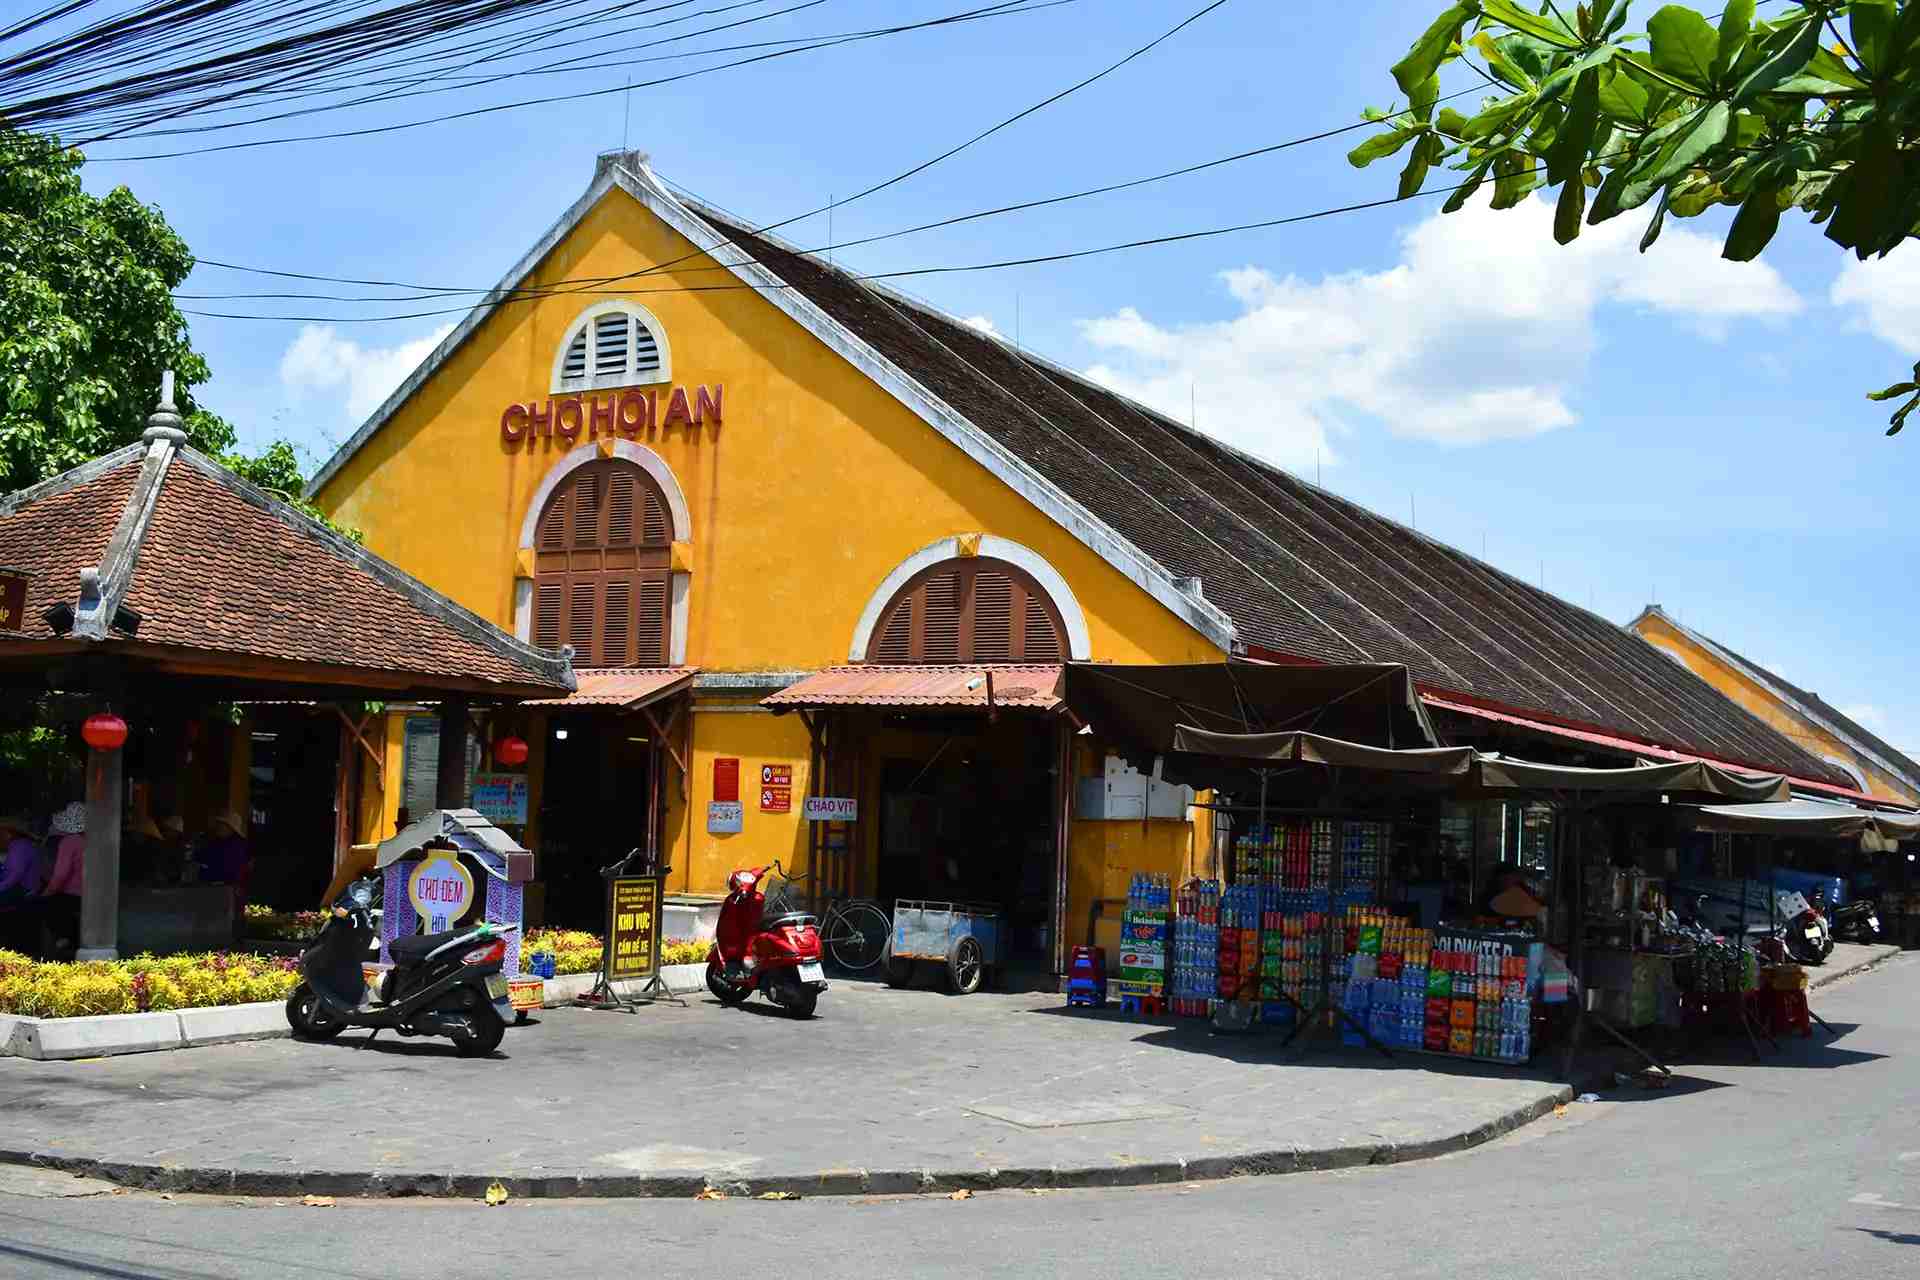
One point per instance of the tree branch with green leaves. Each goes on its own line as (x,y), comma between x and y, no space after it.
(88,323)
(1758,114)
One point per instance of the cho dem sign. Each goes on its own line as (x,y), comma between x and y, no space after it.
(441,890)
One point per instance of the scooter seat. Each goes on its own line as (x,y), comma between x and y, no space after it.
(414,950)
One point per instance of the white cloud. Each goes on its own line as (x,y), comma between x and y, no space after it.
(1865,713)
(320,360)
(1480,332)
(1887,293)
(983,323)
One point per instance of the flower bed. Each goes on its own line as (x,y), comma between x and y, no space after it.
(50,989)
(577,951)
(282,926)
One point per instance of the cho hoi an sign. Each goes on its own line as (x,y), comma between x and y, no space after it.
(631,413)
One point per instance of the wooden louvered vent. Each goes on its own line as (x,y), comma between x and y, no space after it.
(611,349)
(976,610)
(602,551)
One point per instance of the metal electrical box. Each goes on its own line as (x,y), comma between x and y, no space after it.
(1122,793)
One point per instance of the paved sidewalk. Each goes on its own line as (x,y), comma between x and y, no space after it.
(1849,958)
(885,1091)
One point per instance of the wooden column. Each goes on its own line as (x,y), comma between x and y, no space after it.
(451,788)
(100,870)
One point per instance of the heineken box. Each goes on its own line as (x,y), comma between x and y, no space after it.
(1143,950)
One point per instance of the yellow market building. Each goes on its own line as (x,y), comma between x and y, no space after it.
(1876,767)
(723,470)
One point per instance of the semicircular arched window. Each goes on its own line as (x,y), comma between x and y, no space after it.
(975,609)
(611,344)
(602,578)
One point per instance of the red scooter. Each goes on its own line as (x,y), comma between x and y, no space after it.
(764,942)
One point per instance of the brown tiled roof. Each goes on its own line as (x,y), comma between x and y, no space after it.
(221,568)
(1301,572)
(55,529)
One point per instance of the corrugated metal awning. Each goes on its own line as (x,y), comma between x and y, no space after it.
(622,688)
(1019,686)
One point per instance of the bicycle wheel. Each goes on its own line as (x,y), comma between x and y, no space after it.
(860,934)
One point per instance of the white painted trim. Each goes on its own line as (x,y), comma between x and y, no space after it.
(1852,771)
(523,610)
(628,379)
(1102,539)
(1079,644)
(682,584)
(638,454)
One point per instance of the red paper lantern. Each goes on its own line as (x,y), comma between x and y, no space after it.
(510,751)
(104,731)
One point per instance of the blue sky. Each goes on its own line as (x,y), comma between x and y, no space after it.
(1624,427)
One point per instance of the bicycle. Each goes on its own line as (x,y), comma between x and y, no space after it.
(856,932)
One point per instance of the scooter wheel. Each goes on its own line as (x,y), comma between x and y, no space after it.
(801,1003)
(309,1018)
(723,991)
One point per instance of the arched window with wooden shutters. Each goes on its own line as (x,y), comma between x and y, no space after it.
(602,553)
(969,610)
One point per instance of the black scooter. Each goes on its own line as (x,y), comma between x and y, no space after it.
(1858,921)
(441,984)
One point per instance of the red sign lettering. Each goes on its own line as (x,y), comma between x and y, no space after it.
(513,424)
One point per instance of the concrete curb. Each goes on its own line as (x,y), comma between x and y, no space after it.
(111,1034)
(825,1182)
(1822,977)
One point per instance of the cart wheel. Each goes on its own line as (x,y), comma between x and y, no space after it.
(966,966)
(899,973)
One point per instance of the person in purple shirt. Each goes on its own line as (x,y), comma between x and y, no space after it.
(23,868)
(225,857)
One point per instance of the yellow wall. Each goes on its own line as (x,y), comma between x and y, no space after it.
(814,489)
(1743,689)
(817,485)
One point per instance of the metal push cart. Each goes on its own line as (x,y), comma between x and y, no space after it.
(961,937)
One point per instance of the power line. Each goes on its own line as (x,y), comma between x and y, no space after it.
(909,273)
(423,292)
(373,130)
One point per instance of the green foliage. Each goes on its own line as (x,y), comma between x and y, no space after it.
(88,324)
(1764,115)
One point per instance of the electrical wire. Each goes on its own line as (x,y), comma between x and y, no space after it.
(1000,264)
(423,292)
(374,130)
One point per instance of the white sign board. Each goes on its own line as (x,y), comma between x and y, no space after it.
(441,890)
(831,809)
(724,817)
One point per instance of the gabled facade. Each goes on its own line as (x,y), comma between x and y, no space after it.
(1876,767)
(680,446)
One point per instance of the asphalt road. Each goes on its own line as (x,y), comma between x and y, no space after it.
(1807,1165)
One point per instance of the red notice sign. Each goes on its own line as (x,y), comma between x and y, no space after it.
(13,600)
(726,779)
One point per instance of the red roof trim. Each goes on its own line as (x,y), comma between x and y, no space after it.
(1629,745)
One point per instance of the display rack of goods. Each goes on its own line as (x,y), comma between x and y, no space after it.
(1196,944)
(1479,995)
(1141,983)
(1237,964)
(1364,848)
